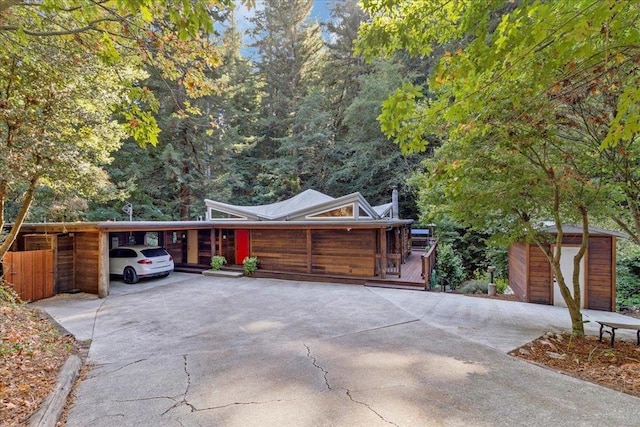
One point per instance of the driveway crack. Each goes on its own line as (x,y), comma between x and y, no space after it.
(98,374)
(366,405)
(377,328)
(314,362)
(184,400)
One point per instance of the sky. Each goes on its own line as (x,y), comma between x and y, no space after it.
(321,10)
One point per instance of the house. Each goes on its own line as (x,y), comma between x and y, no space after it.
(309,236)
(532,280)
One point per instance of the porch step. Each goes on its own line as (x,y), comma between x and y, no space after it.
(395,286)
(223,273)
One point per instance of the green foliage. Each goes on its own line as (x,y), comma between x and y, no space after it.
(628,279)
(526,115)
(501,284)
(449,269)
(536,108)
(475,250)
(250,264)
(217,261)
(71,93)
(474,287)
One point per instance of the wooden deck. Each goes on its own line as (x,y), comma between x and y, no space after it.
(410,277)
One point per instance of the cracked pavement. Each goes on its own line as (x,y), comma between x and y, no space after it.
(202,351)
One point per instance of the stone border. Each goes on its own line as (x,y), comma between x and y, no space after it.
(52,407)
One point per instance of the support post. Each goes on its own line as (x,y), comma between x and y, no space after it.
(309,252)
(383,253)
(103,264)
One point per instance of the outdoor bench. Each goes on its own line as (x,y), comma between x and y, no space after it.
(613,326)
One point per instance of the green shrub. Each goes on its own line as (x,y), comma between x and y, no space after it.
(250,265)
(628,281)
(501,284)
(476,250)
(448,266)
(217,261)
(474,287)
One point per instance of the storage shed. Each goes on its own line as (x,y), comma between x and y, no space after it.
(532,280)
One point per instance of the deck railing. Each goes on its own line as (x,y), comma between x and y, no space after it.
(429,265)
(394,263)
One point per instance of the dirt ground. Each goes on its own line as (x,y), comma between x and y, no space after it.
(32,352)
(615,367)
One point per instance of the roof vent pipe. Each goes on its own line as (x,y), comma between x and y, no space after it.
(394,201)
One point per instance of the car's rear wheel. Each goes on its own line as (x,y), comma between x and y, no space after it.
(130,275)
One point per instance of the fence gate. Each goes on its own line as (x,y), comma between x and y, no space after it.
(30,273)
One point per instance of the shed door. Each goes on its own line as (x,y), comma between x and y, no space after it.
(242,245)
(566,267)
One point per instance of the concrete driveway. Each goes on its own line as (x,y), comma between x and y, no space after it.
(203,351)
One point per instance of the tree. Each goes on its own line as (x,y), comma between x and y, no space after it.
(66,70)
(56,124)
(534,108)
(344,68)
(200,151)
(289,47)
(368,161)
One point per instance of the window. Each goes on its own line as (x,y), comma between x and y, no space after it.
(341,212)
(151,238)
(154,252)
(214,214)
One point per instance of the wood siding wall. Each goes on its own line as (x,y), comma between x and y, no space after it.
(87,261)
(204,247)
(540,277)
(175,248)
(332,251)
(518,270)
(280,250)
(600,292)
(351,253)
(65,277)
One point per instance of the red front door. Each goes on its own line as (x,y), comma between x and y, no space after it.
(242,245)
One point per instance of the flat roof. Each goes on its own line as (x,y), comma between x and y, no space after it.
(66,227)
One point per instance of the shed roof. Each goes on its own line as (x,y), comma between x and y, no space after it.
(576,229)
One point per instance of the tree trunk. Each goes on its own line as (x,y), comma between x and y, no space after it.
(17,224)
(573,303)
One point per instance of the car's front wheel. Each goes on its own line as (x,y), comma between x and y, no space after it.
(130,275)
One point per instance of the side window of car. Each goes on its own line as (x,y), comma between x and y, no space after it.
(114,253)
(129,253)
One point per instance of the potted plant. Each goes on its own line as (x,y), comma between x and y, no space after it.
(250,265)
(217,261)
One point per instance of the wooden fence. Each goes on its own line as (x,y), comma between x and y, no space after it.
(30,273)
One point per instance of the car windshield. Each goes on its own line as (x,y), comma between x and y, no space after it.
(154,252)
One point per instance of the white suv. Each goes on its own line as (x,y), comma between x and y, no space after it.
(135,262)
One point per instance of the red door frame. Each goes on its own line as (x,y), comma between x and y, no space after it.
(242,245)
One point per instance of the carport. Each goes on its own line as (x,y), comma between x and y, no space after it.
(88,244)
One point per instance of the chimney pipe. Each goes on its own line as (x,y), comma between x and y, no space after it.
(394,202)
